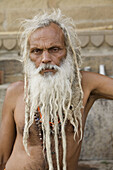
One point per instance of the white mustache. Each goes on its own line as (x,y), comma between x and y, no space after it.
(46,66)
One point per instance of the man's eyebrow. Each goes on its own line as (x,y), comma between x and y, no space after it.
(35,47)
(55,46)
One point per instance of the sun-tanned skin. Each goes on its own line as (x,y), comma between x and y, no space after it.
(46,46)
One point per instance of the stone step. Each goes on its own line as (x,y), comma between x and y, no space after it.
(96,165)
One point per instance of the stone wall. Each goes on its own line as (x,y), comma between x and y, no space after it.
(86,13)
(98,136)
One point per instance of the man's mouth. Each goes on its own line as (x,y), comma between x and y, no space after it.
(48,70)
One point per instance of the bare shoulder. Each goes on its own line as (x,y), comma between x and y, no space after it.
(88,79)
(13,92)
(16,87)
(91,81)
(87,76)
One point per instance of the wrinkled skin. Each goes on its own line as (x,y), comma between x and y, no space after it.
(46,46)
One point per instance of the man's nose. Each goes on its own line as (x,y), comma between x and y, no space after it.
(46,57)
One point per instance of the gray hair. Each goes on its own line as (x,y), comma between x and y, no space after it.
(43,19)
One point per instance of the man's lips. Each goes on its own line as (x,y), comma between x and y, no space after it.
(47,70)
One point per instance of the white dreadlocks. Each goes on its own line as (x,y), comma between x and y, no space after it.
(52,93)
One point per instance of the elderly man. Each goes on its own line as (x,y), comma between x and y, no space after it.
(44,117)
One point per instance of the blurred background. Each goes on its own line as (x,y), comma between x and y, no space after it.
(94,26)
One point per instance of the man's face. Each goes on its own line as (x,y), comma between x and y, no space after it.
(47,47)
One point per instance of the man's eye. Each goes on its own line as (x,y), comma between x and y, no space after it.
(54,50)
(37,51)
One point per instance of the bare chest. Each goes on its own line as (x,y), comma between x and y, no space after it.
(35,144)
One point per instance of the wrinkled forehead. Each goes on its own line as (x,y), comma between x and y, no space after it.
(52,31)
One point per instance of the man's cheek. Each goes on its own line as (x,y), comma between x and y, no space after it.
(32,58)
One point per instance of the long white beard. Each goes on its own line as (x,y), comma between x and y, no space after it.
(53,94)
(51,91)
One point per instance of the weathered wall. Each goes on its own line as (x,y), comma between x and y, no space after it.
(86,13)
(98,137)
